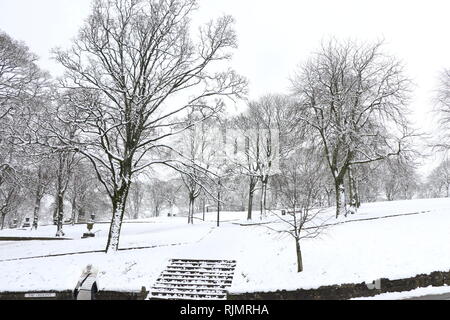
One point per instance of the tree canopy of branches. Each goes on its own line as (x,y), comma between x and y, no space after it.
(133,68)
(22,86)
(20,77)
(275,134)
(355,99)
(439,180)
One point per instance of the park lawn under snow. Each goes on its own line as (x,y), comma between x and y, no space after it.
(354,252)
(417,293)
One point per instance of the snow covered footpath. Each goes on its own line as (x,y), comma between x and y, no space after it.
(354,252)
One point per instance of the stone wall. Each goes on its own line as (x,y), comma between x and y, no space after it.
(68,295)
(349,291)
(119,296)
(60,295)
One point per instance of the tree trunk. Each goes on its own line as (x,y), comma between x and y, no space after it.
(3,221)
(74,210)
(340,198)
(137,210)
(353,192)
(250,199)
(38,200)
(191,210)
(265,183)
(329,193)
(218,207)
(299,255)
(204,209)
(250,206)
(119,202)
(60,215)
(37,209)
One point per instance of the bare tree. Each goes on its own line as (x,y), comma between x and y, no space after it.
(66,163)
(399,179)
(199,151)
(159,193)
(272,116)
(355,99)
(248,162)
(300,189)
(40,184)
(439,179)
(133,66)
(193,173)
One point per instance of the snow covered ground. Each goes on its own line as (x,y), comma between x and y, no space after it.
(354,252)
(418,293)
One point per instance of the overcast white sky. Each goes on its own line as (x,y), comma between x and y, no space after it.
(276,35)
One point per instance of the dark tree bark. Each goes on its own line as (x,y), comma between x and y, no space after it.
(119,202)
(3,221)
(341,209)
(251,194)
(264,187)
(191,208)
(60,214)
(219,196)
(38,199)
(37,209)
(204,209)
(299,255)
(74,210)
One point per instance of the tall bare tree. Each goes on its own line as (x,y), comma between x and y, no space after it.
(272,116)
(135,68)
(355,99)
(247,154)
(200,149)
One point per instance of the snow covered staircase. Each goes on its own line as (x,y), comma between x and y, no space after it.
(194,280)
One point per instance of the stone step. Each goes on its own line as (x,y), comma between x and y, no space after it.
(186,279)
(193,284)
(187,268)
(170,295)
(198,279)
(191,264)
(189,290)
(199,270)
(203,261)
(209,275)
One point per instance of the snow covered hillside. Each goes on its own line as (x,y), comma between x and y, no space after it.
(353,252)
